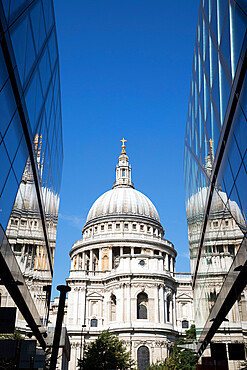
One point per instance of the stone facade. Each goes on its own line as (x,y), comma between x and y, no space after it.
(123,277)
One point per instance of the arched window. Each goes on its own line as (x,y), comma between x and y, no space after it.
(142,305)
(169,263)
(95,264)
(185,324)
(113,307)
(212,299)
(143,358)
(94,323)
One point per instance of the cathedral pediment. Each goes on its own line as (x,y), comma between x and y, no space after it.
(95,295)
(184,296)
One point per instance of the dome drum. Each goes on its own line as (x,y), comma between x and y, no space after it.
(108,227)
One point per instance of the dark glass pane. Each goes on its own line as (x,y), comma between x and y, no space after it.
(53,49)
(7,107)
(16,5)
(37,21)
(94,323)
(45,71)
(218,351)
(20,159)
(6,6)
(143,358)
(236,351)
(47,4)
(238,32)
(34,101)
(142,312)
(3,71)
(13,136)
(185,324)
(30,52)
(18,37)
(225,47)
(6,199)
(4,165)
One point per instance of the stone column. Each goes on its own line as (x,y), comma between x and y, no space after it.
(37,258)
(173,311)
(91,260)
(110,258)
(166,262)
(88,313)
(70,308)
(160,263)
(132,251)
(75,314)
(109,308)
(122,286)
(161,295)
(172,264)
(156,302)
(165,305)
(101,312)
(83,261)
(128,302)
(41,258)
(100,259)
(83,305)
(121,251)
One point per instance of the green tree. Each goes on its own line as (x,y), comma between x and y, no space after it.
(180,359)
(105,353)
(191,332)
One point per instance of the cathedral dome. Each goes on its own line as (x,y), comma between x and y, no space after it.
(220,204)
(123,201)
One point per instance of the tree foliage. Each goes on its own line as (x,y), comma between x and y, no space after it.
(180,359)
(191,332)
(106,352)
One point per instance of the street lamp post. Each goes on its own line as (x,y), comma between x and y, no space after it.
(63,290)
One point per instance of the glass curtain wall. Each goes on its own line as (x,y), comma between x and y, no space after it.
(215,165)
(31,153)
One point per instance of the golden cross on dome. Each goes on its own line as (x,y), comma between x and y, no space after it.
(123,146)
(123,141)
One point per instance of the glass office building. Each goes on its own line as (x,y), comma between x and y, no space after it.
(31,154)
(215,171)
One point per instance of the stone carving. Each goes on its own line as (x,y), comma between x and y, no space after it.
(148,343)
(75,345)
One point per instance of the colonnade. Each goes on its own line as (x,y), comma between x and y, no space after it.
(121,306)
(102,259)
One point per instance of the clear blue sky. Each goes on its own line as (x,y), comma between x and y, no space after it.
(125,70)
